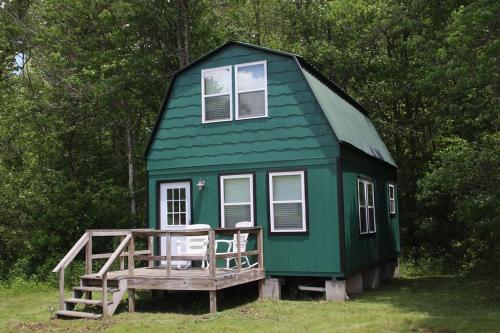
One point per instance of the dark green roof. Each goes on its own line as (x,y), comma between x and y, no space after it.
(349,124)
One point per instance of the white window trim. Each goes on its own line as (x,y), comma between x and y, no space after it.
(250,90)
(366,206)
(223,204)
(392,208)
(272,201)
(203,116)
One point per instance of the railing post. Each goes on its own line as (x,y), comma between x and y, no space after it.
(169,253)
(62,305)
(260,244)
(122,259)
(151,250)
(88,254)
(105,294)
(212,262)
(238,251)
(131,251)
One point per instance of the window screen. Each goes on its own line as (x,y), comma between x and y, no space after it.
(251,90)
(236,200)
(287,201)
(216,91)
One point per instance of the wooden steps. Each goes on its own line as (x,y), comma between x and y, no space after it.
(93,302)
(77,314)
(84,293)
(94,289)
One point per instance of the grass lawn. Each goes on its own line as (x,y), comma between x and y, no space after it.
(419,304)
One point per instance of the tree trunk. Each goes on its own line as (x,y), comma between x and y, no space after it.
(182,31)
(258,25)
(130,159)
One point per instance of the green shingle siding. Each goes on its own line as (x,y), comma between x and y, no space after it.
(295,128)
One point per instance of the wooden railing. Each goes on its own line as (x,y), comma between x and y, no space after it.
(211,255)
(86,241)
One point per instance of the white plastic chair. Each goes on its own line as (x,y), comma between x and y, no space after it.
(194,245)
(233,243)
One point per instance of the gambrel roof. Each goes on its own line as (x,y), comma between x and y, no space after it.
(348,118)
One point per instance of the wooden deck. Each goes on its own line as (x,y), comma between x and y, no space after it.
(183,279)
(113,284)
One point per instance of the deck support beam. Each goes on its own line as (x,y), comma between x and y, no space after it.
(213,301)
(62,304)
(261,289)
(131,300)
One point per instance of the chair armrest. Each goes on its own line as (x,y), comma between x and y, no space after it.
(228,242)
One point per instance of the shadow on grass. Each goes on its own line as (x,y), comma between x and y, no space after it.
(465,303)
(191,302)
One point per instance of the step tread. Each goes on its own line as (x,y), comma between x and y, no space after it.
(85,301)
(78,314)
(94,289)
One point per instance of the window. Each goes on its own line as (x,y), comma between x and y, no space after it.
(236,199)
(216,101)
(251,90)
(392,199)
(366,206)
(287,201)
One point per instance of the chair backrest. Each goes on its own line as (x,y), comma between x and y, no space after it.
(243,236)
(197,244)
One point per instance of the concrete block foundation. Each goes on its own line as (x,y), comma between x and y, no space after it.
(335,290)
(271,289)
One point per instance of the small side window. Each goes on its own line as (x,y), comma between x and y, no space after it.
(366,206)
(392,199)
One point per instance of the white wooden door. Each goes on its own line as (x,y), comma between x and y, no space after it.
(175,214)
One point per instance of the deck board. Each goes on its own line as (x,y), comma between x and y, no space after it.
(183,279)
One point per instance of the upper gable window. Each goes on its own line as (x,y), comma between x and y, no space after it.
(251,90)
(216,102)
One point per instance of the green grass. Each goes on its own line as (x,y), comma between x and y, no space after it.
(412,304)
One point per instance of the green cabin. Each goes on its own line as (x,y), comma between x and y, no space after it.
(247,133)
